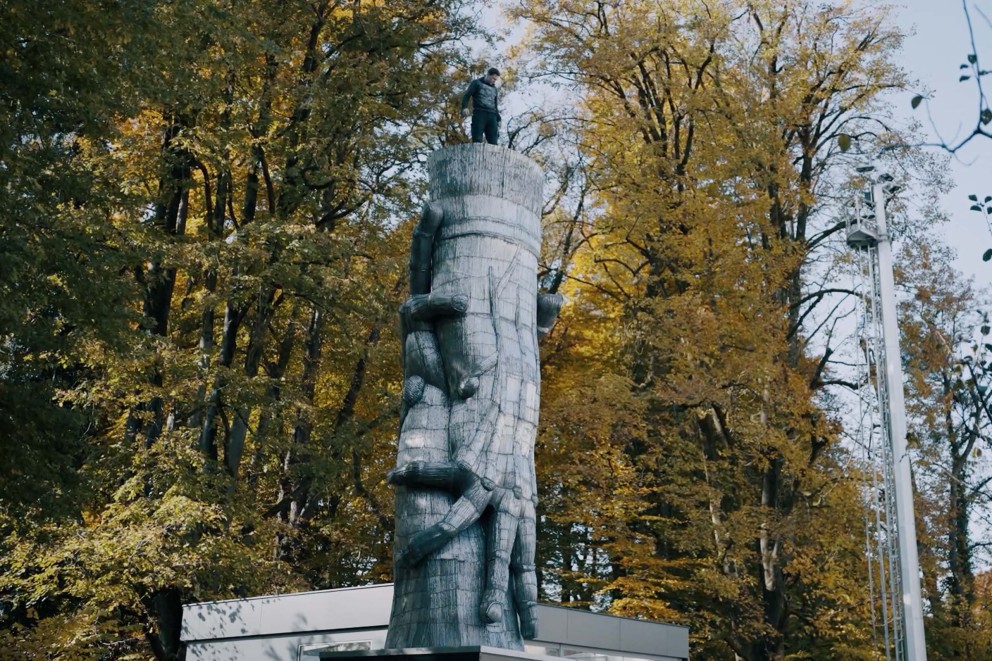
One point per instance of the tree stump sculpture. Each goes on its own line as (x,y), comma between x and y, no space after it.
(465,486)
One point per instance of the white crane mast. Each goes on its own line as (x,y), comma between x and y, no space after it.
(895,530)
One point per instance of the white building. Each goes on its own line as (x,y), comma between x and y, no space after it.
(283,627)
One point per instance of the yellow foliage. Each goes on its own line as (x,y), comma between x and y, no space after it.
(710,487)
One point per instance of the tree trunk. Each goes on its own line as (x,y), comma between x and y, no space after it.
(169,217)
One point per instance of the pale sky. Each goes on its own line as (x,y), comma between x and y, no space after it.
(933,55)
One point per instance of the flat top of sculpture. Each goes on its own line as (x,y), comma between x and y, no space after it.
(481,169)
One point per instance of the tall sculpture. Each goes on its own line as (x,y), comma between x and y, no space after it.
(465,485)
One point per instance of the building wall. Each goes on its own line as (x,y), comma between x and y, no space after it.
(283,626)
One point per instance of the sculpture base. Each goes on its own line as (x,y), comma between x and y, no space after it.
(472,653)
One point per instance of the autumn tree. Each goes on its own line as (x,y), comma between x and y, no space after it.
(719,496)
(945,332)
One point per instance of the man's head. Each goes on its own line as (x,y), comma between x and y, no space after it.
(492,75)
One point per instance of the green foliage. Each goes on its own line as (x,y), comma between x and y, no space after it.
(945,325)
(63,304)
(204,235)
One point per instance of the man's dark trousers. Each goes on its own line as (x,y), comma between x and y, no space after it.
(484,122)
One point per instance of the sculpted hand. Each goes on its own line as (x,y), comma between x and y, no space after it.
(421,307)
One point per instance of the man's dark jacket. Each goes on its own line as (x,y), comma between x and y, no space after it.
(485,97)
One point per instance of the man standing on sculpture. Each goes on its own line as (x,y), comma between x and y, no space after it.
(485,107)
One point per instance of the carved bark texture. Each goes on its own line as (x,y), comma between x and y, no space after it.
(465,488)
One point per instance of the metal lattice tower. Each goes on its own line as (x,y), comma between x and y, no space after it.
(893,564)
